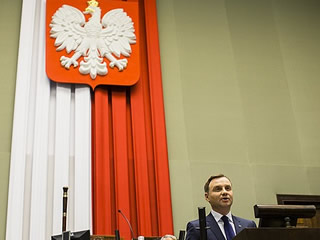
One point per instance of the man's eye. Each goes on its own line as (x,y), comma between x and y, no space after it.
(228,188)
(217,189)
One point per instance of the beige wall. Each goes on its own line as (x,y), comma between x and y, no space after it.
(9,32)
(242,97)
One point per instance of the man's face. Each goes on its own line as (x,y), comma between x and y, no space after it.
(220,195)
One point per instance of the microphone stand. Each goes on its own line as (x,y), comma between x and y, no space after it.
(65,234)
(132,235)
(64,208)
(117,234)
(202,223)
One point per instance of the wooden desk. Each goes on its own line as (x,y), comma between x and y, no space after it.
(279,234)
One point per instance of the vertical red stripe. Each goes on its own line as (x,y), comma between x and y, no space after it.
(121,167)
(145,205)
(145,80)
(130,162)
(141,163)
(158,121)
(102,178)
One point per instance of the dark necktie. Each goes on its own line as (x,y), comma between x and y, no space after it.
(227,228)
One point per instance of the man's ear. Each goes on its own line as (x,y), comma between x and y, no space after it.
(206,196)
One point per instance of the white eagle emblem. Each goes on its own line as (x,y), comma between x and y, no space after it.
(94,39)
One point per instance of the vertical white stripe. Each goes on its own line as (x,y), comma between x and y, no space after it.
(82,158)
(51,142)
(19,134)
(38,207)
(71,200)
(62,144)
(51,147)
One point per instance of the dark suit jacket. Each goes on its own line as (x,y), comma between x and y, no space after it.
(214,232)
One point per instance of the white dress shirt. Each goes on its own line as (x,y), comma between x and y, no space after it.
(217,216)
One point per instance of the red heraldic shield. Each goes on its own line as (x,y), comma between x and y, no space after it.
(92,43)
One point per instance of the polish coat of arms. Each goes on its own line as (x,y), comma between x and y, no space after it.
(87,44)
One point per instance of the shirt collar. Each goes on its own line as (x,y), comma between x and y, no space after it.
(217,216)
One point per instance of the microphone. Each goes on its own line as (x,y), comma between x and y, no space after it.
(132,235)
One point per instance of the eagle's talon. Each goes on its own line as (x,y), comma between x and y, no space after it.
(67,62)
(120,64)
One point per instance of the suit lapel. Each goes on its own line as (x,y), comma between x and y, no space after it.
(214,227)
(237,224)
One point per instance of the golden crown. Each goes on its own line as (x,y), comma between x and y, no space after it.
(93,3)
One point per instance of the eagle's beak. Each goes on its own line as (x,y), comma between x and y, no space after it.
(88,10)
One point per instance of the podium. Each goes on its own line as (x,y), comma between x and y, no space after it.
(278,234)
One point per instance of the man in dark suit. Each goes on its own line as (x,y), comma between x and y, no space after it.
(221,224)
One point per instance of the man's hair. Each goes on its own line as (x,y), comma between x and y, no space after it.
(206,185)
(168,236)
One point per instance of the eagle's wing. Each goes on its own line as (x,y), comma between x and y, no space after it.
(67,27)
(118,32)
